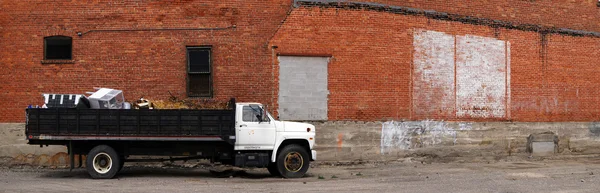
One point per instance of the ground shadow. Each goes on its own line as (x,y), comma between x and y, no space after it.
(134,172)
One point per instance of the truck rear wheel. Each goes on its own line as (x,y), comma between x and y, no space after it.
(102,162)
(293,161)
(122,163)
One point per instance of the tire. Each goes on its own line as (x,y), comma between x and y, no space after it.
(297,163)
(122,159)
(273,170)
(102,162)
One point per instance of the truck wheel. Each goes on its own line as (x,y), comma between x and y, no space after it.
(122,163)
(272,167)
(102,162)
(293,161)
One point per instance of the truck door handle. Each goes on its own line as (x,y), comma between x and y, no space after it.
(243,125)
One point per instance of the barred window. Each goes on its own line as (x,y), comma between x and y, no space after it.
(199,80)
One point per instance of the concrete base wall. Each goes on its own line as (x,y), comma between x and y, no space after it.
(349,141)
(346,141)
(14,149)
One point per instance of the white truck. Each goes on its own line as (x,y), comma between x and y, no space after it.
(244,135)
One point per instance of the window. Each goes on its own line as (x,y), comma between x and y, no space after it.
(250,114)
(199,72)
(58,48)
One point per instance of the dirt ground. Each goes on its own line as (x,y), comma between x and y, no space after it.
(408,175)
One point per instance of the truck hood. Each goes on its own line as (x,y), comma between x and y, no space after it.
(289,126)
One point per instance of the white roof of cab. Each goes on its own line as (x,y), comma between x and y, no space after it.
(249,103)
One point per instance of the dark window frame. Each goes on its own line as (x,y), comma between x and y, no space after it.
(209,73)
(70,39)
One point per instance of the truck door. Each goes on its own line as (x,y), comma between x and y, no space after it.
(252,133)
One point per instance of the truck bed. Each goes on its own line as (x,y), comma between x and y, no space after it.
(61,124)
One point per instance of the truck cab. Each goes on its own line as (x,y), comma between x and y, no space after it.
(289,143)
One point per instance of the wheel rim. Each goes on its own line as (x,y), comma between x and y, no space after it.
(293,162)
(102,163)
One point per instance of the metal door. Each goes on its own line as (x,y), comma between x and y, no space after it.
(303,89)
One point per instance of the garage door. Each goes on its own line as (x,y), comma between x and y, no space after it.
(303,88)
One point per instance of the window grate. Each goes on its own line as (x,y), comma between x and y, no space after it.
(199,65)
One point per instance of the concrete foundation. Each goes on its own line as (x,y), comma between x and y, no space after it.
(345,141)
(349,141)
(14,149)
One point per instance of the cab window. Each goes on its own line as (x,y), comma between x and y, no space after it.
(249,113)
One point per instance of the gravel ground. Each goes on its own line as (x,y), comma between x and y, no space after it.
(405,176)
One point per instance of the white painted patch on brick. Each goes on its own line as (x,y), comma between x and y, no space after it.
(508,104)
(433,73)
(417,134)
(480,77)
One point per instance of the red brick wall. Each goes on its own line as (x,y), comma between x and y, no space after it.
(369,75)
(573,14)
(144,63)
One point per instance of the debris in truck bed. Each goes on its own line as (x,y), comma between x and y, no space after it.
(106,98)
(61,100)
(160,104)
(176,103)
(190,104)
(143,104)
(206,104)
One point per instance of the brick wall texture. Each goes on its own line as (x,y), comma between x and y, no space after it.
(375,71)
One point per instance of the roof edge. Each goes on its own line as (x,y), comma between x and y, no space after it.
(432,14)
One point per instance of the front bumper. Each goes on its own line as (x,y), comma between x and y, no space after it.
(313,156)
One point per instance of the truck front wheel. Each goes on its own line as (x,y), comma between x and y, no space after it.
(272,167)
(102,162)
(293,161)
